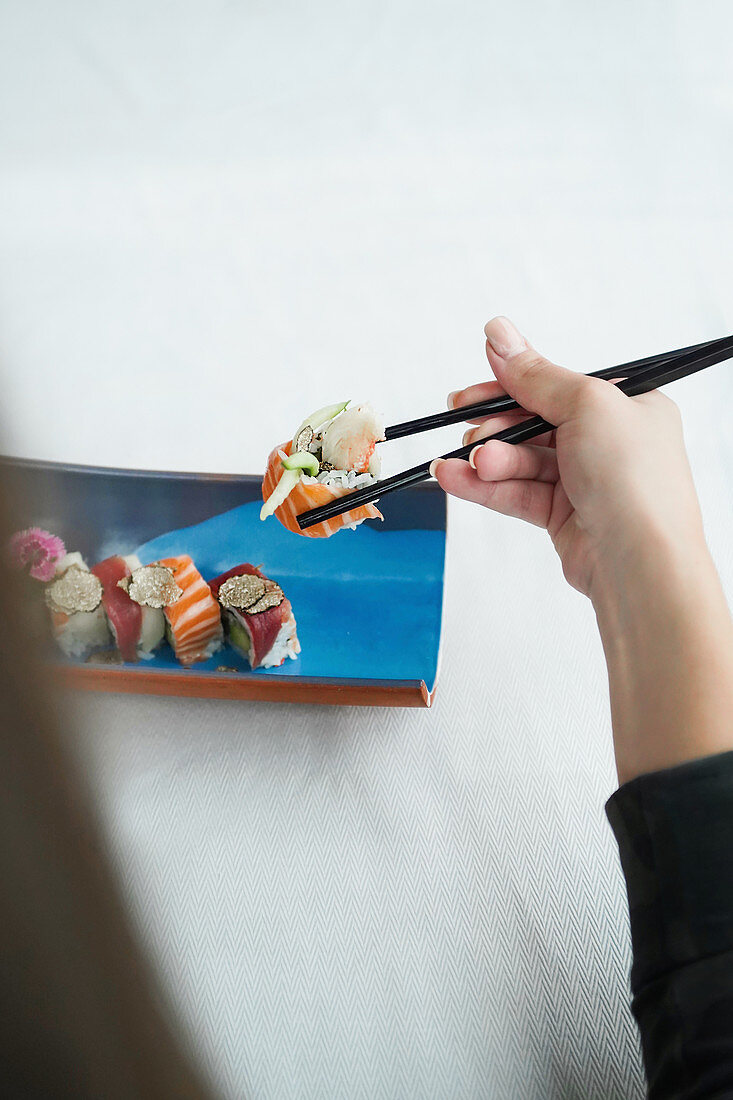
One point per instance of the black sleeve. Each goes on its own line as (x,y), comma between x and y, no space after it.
(675,835)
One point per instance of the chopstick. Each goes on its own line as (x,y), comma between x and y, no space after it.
(504,403)
(648,377)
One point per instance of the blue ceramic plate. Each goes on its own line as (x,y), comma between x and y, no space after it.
(367,602)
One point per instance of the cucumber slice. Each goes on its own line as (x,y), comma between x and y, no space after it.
(321,416)
(238,636)
(285,485)
(302,460)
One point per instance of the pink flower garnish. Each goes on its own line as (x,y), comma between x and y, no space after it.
(37,549)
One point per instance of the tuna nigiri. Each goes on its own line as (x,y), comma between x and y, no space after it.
(331,454)
(258,619)
(194,621)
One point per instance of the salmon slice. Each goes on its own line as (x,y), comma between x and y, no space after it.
(59,621)
(194,619)
(307,496)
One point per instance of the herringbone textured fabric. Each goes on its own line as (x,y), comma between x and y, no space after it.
(350,903)
(356,904)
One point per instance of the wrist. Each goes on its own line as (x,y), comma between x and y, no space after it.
(648,573)
(668,640)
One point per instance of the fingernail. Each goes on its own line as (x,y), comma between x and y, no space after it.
(467,437)
(450,401)
(434,465)
(472,456)
(504,338)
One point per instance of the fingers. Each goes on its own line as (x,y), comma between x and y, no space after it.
(483,391)
(497,424)
(527,500)
(497,461)
(537,384)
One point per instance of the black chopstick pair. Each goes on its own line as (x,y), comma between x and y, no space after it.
(504,403)
(637,377)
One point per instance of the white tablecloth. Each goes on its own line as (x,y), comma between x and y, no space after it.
(215,206)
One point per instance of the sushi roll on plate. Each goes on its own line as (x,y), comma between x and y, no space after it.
(258,619)
(331,454)
(133,596)
(193,621)
(74,600)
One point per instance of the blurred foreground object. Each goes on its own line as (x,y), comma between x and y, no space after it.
(80,1015)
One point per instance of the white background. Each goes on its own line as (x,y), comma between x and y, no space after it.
(216,216)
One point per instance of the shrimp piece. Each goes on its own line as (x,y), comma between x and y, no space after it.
(350,439)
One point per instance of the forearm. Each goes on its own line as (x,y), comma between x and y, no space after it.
(668,639)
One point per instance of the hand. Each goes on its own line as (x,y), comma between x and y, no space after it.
(609,484)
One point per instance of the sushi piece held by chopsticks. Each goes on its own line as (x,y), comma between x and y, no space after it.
(331,455)
(258,618)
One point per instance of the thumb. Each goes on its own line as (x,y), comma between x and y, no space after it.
(555,393)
